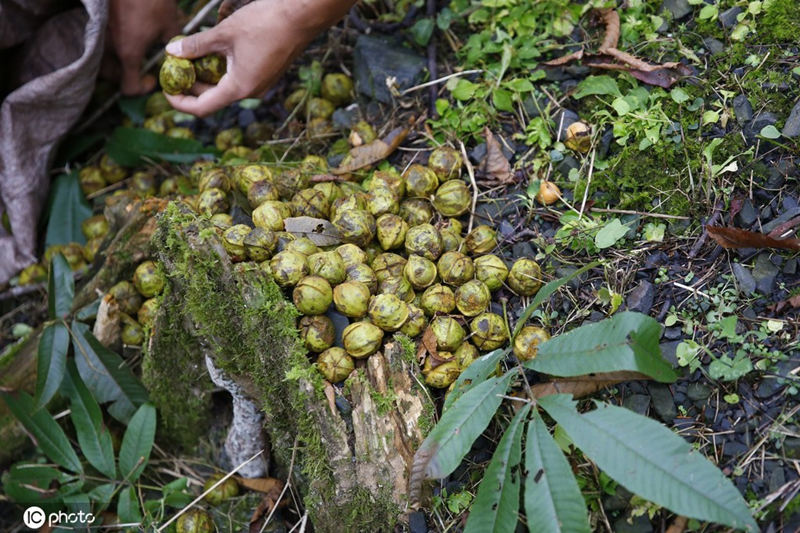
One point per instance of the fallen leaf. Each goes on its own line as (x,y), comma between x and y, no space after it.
(584,385)
(266,485)
(794,302)
(741,238)
(427,346)
(374,152)
(737,202)
(107,327)
(782,229)
(678,525)
(320,231)
(495,165)
(330,394)
(268,502)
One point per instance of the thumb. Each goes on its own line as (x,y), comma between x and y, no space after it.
(197,45)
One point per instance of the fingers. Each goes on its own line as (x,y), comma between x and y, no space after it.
(198,44)
(210,99)
(131,82)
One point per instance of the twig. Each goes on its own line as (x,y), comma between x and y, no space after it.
(285,487)
(471,173)
(640,213)
(188,28)
(439,80)
(588,184)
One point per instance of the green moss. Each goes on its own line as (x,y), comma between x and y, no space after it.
(384,402)
(780,22)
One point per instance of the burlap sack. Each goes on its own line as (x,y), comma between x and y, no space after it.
(51,58)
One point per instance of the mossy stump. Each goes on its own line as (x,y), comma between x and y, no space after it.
(352,451)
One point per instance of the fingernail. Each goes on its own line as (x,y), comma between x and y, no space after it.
(175,48)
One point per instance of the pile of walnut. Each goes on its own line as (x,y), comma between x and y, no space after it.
(395,256)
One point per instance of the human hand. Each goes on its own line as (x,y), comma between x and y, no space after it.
(135,25)
(259,42)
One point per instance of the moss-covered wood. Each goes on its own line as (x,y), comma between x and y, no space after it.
(352,452)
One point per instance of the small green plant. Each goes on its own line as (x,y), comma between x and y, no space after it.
(635,451)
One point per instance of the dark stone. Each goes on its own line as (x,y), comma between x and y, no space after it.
(678,8)
(764,273)
(339,323)
(562,119)
(715,46)
(792,126)
(742,109)
(768,387)
(506,230)
(534,105)
(478,153)
(344,117)
(747,215)
(656,259)
(672,334)
(698,391)
(747,284)
(523,249)
(662,401)
(728,17)
(786,216)
(377,58)
(246,117)
(637,403)
(668,350)
(791,447)
(335,160)
(416,522)
(641,297)
(568,163)
(789,202)
(776,479)
(733,448)
(605,143)
(640,524)
(790,267)
(759,122)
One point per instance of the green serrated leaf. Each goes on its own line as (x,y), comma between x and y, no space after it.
(132,146)
(553,501)
(650,460)
(464,89)
(628,341)
(451,438)
(496,505)
(477,372)
(51,360)
(66,209)
(93,437)
(133,107)
(137,443)
(45,430)
(597,85)
(60,288)
(106,374)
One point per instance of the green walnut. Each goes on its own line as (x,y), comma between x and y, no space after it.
(437,299)
(481,240)
(260,244)
(363,274)
(337,88)
(311,203)
(391,231)
(288,268)
(304,246)
(246,175)
(443,375)
(319,108)
(335,364)
(357,200)
(91,180)
(179,133)
(174,185)
(527,341)
(31,274)
(294,99)
(143,183)
(491,270)
(328,265)
(210,68)
(257,133)
(381,201)
(356,226)
(314,164)
(455,268)
(329,190)
(318,332)
(73,253)
(221,222)
(389,179)
(229,138)
(212,201)
(195,521)
(237,152)
(362,132)
(525,277)
(445,162)
(420,272)
(271,214)
(362,339)
(452,198)
(451,241)
(416,211)
(197,169)
(400,287)
(312,295)
(91,248)
(351,298)
(473,297)
(148,279)
(224,491)
(132,333)
(156,104)
(112,171)
(449,333)
(94,227)
(260,192)
(159,123)
(424,240)
(416,322)
(466,354)
(214,177)
(488,331)
(319,126)
(177,75)
(388,265)
(421,182)
(233,241)
(388,312)
(351,254)
(147,312)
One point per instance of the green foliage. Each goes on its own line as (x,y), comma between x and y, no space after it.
(66,209)
(780,21)
(134,146)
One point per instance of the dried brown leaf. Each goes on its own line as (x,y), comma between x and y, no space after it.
(374,152)
(320,231)
(265,485)
(741,238)
(563,60)
(268,502)
(495,165)
(782,229)
(107,328)
(427,346)
(330,394)
(610,18)
(737,202)
(584,385)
